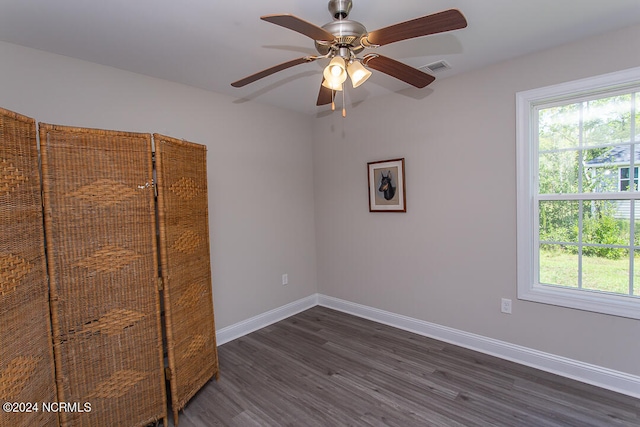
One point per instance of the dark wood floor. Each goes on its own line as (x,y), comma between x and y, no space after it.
(326,368)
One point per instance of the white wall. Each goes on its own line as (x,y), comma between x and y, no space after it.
(452,257)
(448,260)
(259,165)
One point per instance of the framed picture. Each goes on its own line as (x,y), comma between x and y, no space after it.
(387,188)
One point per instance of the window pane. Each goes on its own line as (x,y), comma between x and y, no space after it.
(606,222)
(636,225)
(559,127)
(607,120)
(637,117)
(602,171)
(636,274)
(558,172)
(559,265)
(558,221)
(606,275)
(624,173)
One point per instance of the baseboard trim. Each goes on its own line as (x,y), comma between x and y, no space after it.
(245,327)
(591,374)
(587,373)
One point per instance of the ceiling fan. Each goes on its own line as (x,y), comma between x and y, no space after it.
(342,40)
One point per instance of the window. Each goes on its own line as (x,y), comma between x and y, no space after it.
(624,179)
(578,199)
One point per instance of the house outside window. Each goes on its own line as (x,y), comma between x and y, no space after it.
(578,199)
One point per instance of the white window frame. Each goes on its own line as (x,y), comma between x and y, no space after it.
(528,285)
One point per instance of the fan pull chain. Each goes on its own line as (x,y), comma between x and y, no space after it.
(333,100)
(344,106)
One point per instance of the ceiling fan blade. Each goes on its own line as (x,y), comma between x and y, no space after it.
(264,73)
(325,96)
(400,71)
(301,26)
(440,22)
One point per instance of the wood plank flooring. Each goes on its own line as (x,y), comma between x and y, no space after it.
(326,368)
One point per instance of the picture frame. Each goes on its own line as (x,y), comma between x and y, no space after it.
(387,186)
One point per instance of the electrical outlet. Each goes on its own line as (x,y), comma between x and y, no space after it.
(506,306)
(285,279)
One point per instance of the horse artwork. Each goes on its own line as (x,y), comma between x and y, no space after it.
(387,186)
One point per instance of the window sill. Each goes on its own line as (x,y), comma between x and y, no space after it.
(598,302)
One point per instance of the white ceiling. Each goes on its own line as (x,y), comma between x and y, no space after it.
(210,43)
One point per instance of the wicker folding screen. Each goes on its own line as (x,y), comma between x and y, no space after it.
(101,237)
(26,356)
(184,249)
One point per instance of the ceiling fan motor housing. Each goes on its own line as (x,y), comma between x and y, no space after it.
(348,34)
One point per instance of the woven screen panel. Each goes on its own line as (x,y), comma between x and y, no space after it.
(103,265)
(26,353)
(181,169)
